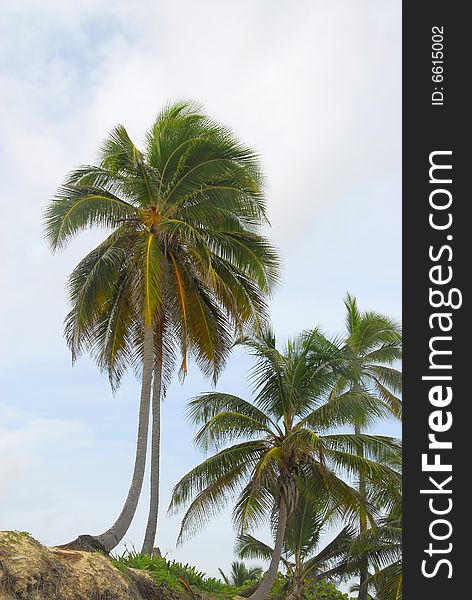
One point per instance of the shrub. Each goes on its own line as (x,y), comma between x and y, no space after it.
(322,590)
(172,574)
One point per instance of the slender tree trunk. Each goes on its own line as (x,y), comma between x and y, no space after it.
(364,565)
(151,526)
(112,537)
(269,578)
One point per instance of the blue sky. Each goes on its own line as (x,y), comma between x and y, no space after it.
(313,86)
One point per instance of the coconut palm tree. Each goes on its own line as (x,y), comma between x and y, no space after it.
(240,574)
(280,441)
(183,268)
(302,539)
(381,546)
(371,346)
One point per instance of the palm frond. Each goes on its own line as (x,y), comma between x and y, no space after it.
(75,208)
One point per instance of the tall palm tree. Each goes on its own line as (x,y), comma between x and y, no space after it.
(183,268)
(302,540)
(240,573)
(371,347)
(282,442)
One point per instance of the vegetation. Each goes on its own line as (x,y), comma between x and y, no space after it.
(321,590)
(381,547)
(183,269)
(284,445)
(305,563)
(241,574)
(371,347)
(180,578)
(182,275)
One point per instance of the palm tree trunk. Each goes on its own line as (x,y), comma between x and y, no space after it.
(297,590)
(151,526)
(112,537)
(364,565)
(269,578)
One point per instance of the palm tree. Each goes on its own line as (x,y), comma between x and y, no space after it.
(302,540)
(381,546)
(240,574)
(281,443)
(371,346)
(183,268)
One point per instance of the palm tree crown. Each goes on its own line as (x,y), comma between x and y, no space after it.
(371,347)
(184,248)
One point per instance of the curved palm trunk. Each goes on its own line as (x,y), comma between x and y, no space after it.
(112,537)
(151,526)
(364,565)
(269,578)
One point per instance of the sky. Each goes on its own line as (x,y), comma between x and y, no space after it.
(313,86)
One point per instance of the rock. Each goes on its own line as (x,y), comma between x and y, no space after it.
(30,571)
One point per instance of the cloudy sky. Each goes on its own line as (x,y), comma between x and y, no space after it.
(313,86)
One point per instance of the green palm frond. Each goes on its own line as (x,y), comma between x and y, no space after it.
(338,495)
(206,406)
(240,574)
(305,526)
(387,376)
(345,409)
(226,427)
(247,546)
(210,333)
(207,488)
(388,582)
(75,208)
(92,282)
(257,499)
(353,315)
(331,557)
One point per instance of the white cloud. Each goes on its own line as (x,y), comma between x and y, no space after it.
(314,89)
(25,442)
